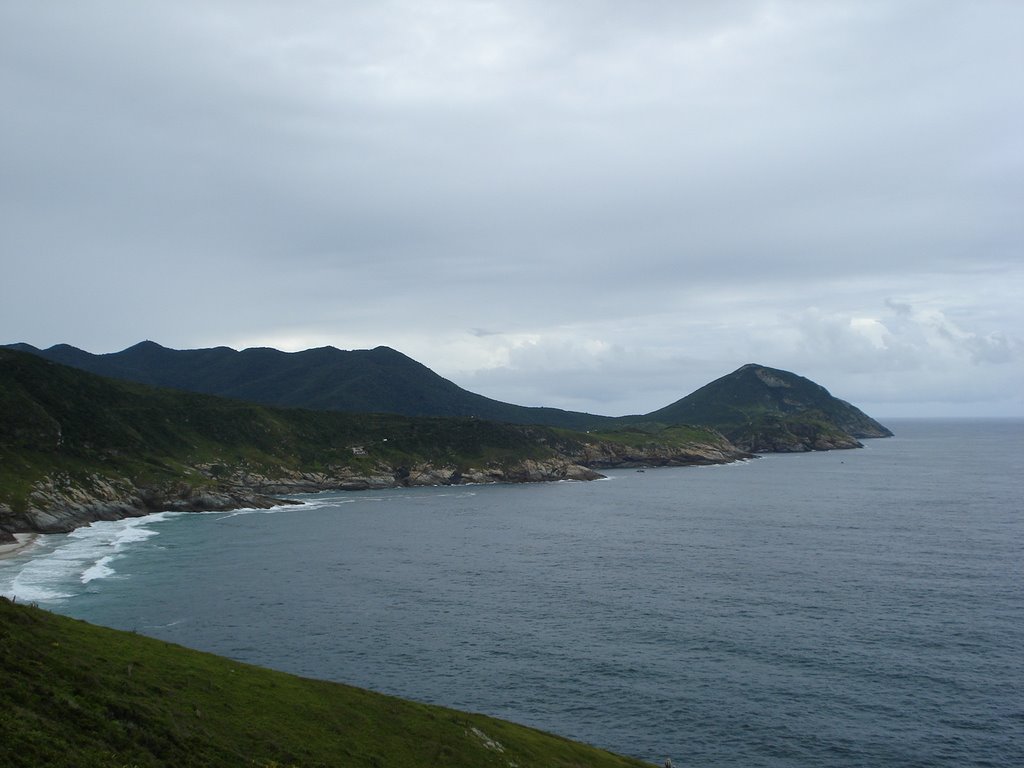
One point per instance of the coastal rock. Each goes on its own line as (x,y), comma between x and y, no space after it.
(794,437)
(605,455)
(551,470)
(60,504)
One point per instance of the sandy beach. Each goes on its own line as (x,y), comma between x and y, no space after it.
(23,540)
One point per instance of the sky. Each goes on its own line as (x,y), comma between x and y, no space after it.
(592,205)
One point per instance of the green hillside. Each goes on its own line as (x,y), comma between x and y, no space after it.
(76,447)
(56,421)
(758,408)
(379,380)
(82,696)
(766,409)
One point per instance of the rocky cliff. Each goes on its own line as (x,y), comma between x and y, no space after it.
(75,447)
(59,504)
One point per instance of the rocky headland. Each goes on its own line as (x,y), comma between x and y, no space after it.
(76,447)
(59,503)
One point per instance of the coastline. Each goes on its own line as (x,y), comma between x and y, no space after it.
(60,508)
(22,541)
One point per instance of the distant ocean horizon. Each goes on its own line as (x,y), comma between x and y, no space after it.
(849,608)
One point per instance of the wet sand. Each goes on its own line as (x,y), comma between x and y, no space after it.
(23,540)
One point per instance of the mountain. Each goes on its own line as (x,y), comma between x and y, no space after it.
(82,696)
(77,447)
(380,380)
(762,409)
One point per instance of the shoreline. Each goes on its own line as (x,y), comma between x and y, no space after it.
(62,513)
(23,541)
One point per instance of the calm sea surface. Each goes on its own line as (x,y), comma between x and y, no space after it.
(854,608)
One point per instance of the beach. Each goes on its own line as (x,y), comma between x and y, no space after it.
(23,540)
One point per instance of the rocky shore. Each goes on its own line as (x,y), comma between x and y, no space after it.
(60,504)
(605,455)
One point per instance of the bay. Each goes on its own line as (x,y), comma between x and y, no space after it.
(852,608)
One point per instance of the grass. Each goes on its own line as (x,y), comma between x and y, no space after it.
(74,694)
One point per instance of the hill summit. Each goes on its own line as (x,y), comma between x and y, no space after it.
(762,409)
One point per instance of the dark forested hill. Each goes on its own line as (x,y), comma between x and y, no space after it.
(758,408)
(77,447)
(379,380)
(767,409)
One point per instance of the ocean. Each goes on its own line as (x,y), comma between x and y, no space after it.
(851,608)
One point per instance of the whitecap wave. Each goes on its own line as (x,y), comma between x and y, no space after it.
(303,505)
(99,570)
(62,563)
(247,511)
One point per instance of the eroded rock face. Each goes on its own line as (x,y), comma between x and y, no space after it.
(59,504)
(795,438)
(611,455)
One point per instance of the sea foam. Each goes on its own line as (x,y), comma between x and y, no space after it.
(77,558)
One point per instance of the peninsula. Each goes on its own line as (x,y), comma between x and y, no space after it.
(76,446)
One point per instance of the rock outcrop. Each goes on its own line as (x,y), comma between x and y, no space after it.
(792,437)
(606,455)
(59,505)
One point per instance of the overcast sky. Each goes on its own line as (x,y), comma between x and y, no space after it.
(592,205)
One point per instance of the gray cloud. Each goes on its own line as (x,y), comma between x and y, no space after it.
(640,197)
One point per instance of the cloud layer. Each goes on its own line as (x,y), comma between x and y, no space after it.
(599,206)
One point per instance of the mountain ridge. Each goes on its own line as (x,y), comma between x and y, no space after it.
(759,408)
(77,447)
(378,380)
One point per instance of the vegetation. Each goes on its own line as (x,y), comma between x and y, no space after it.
(766,409)
(59,420)
(84,696)
(379,380)
(651,434)
(757,407)
(81,430)
(60,423)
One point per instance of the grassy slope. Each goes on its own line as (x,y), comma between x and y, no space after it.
(78,695)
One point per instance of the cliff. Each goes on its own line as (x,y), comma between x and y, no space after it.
(60,503)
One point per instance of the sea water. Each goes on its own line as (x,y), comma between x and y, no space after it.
(852,608)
